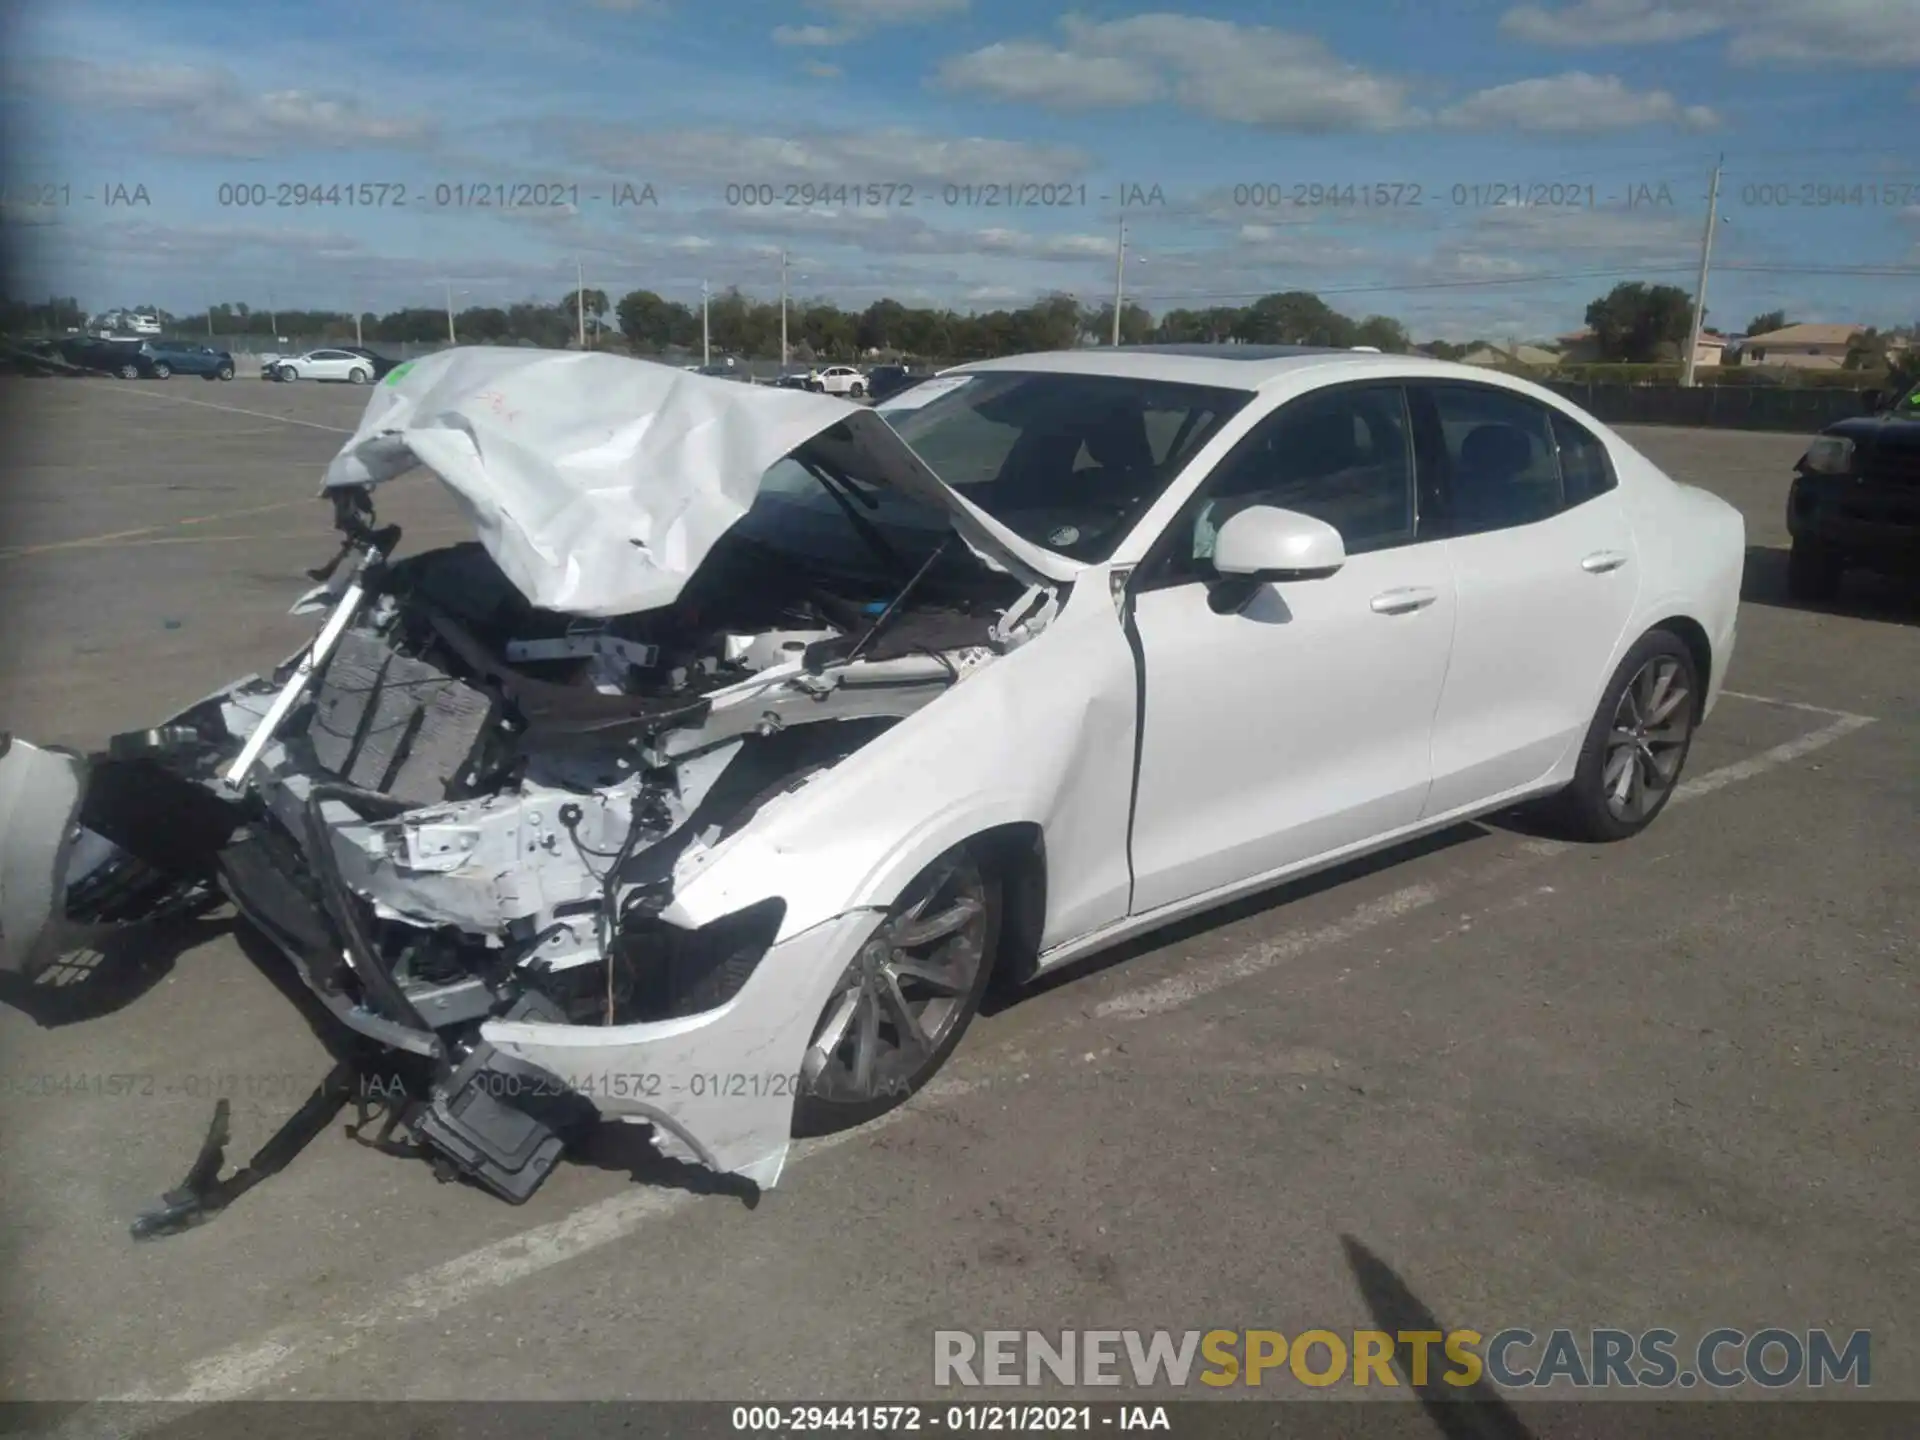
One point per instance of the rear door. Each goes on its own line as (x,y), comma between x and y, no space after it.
(1546,579)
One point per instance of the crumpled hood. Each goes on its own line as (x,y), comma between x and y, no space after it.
(598,483)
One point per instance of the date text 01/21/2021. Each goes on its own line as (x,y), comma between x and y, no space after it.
(637,1086)
(1398,194)
(960,1419)
(442,195)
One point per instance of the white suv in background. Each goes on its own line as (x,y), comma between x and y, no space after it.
(838,380)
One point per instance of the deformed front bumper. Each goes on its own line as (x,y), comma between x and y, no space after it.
(723,1083)
(40,795)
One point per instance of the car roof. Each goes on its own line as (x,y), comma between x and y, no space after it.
(1233,367)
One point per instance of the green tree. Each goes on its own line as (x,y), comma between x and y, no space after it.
(1767,323)
(1640,323)
(1383,333)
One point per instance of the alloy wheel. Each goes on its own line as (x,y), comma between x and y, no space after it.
(900,999)
(1651,727)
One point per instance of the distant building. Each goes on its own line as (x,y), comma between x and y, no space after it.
(1496,355)
(1579,348)
(1802,347)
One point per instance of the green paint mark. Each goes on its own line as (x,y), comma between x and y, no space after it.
(393,375)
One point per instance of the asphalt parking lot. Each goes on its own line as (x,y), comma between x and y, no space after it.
(1498,1080)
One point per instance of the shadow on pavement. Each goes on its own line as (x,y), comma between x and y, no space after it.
(1863,594)
(1459,1412)
(109,972)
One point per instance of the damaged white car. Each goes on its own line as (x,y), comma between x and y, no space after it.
(760,730)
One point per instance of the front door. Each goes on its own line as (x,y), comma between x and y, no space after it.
(1298,725)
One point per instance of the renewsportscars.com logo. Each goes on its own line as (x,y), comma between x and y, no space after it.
(1512,1359)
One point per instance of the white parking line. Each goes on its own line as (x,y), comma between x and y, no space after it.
(232,410)
(243,1370)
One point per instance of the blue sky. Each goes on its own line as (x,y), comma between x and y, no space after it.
(1211,114)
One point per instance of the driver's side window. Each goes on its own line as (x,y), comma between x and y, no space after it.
(1343,455)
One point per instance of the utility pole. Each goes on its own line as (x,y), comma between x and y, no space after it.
(706,334)
(273,318)
(1119,281)
(357,338)
(580,296)
(783,310)
(1700,292)
(452,339)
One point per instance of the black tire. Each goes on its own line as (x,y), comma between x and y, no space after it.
(128,371)
(1587,809)
(817,1113)
(225,372)
(1814,571)
(162,371)
(857,390)
(358,376)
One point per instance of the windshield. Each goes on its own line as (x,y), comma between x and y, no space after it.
(1069,462)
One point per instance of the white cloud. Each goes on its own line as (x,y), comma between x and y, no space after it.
(1251,74)
(1879,33)
(820,70)
(808,35)
(861,17)
(855,157)
(207,111)
(1032,72)
(1575,102)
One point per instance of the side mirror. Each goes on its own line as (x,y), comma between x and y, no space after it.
(1264,542)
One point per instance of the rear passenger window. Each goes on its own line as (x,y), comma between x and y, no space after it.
(1585,469)
(1501,458)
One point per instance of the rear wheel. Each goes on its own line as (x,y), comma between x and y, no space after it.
(358,376)
(225,372)
(902,1004)
(162,370)
(129,371)
(1814,571)
(1637,744)
(857,390)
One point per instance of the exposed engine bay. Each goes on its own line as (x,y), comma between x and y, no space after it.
(456,809)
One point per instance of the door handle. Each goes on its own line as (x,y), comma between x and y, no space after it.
(1601,561)
(1404,602)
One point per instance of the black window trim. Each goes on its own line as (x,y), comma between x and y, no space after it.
(1152,572)
(1420,395)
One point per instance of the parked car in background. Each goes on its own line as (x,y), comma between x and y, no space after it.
(886,380)
(330,364)
(838,380)
(129,359)
(726,370)
(795,380)
(1851,505)
(180,357)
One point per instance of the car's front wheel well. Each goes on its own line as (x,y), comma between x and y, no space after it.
(1016,854)
(1693,635)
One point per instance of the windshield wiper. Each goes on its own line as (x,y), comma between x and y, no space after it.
(867,530)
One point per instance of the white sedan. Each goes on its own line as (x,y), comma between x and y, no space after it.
(321,365)
(712,788)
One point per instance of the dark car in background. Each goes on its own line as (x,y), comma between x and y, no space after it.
(129,359)
(183,357)
(1855,500)
(886,380)
(382,365)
